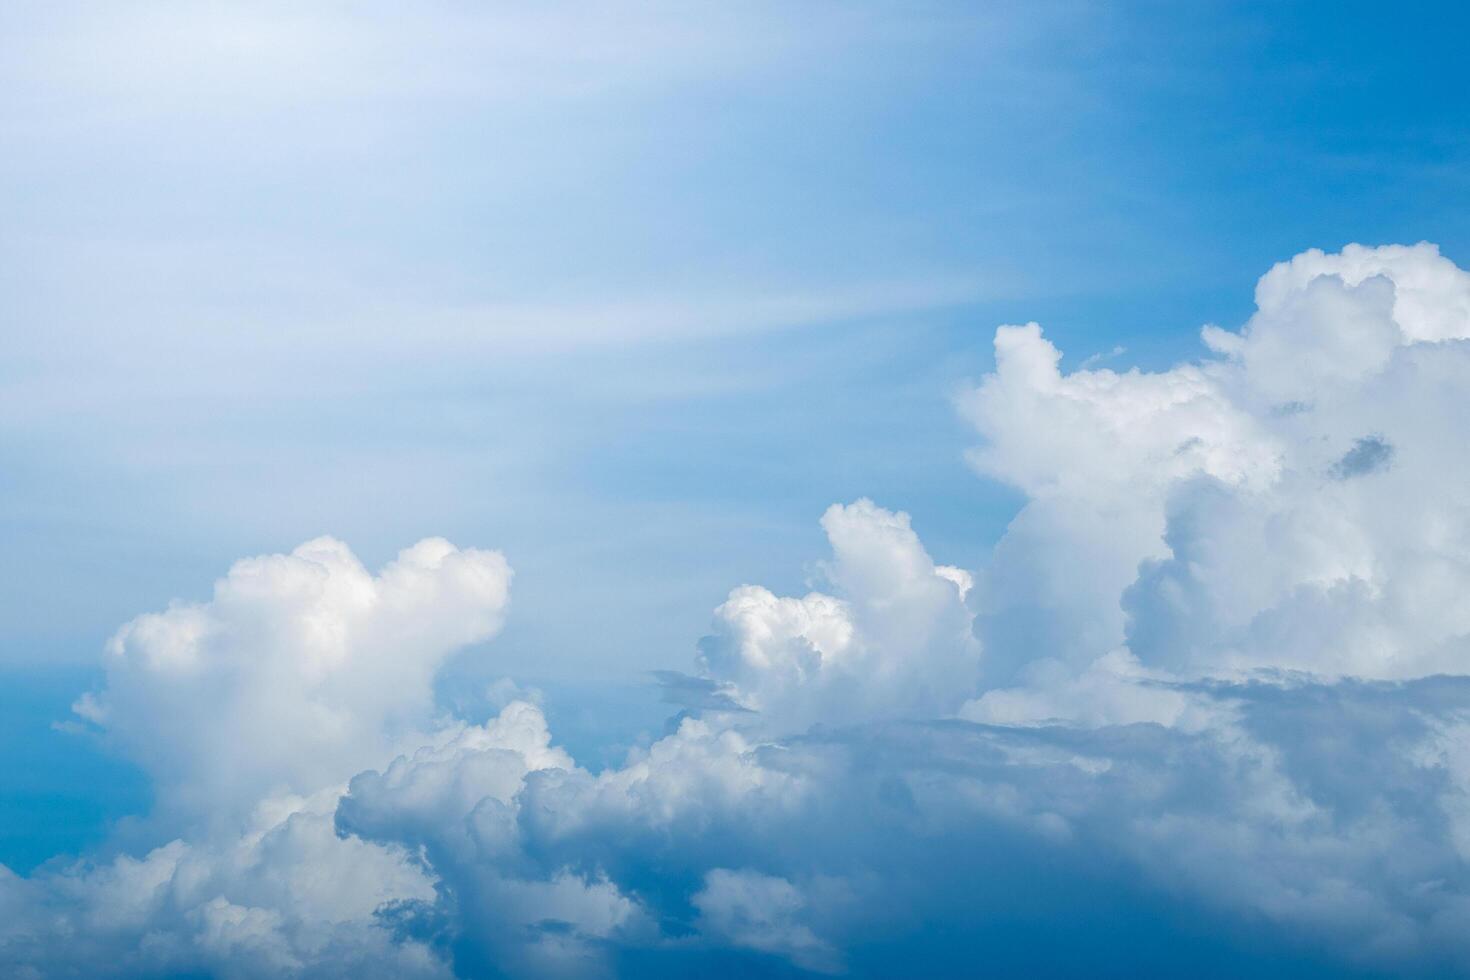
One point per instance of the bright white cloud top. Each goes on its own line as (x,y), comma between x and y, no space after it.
(1219,659)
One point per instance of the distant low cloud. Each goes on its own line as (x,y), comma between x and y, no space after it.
(1213,672)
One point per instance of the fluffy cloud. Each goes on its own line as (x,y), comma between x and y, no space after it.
(301,670)
(1204,700)
(756,911)
(251,712)
(1298,502)
(288,896)
(1332,811)
(895,641)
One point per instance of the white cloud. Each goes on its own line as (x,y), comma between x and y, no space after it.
(291,898)
(1216,664)
(1296,504)
(251,711)
(762,912)
(895,641)
(457,802)
(301,670)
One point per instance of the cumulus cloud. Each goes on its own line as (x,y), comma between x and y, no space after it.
(756,911)
(251,711)
(1296,502)
(301,670)
(1212,674)
(894,641)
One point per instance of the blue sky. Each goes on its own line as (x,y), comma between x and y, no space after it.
(248,289)
(632,295)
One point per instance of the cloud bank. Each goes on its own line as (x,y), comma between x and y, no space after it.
(1206,696)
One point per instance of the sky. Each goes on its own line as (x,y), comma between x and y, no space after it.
(620,300)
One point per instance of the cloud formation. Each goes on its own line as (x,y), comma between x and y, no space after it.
(301,670)
(1211,674)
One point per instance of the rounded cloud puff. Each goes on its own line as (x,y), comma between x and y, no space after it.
(301,670)
(1299,503)
(897,640)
